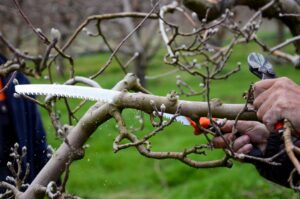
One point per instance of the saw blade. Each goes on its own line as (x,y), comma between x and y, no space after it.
(80,92)
(182,119)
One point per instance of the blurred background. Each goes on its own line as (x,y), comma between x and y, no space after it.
(103,174)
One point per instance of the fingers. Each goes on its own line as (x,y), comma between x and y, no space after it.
(227,127)
(271,116)
(270,100)
(252,134)
(241,126)
(245,149)
(261,97)
(263,106)
(241,144)
(261,86)
(222,141)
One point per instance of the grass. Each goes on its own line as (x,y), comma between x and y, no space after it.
(128,175)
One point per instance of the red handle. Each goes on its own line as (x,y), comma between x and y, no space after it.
(279,125)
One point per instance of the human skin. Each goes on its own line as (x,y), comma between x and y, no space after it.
(274,100)
(277,99)
(252,134)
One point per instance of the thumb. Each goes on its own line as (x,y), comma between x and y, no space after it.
(227,127)
(241,126)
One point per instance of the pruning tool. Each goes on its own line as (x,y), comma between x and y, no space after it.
(203,122)
(99,94)
(96,94)
(258,65)
(263,69)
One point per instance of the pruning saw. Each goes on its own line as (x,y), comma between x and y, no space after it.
(96,94)
(257,65)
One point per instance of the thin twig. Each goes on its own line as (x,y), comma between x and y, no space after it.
(122,42)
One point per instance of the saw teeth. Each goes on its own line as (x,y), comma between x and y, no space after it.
(63,91)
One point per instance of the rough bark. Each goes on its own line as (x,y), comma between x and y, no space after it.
(77,136)
(191,109)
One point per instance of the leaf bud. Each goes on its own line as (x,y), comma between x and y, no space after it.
(55,34)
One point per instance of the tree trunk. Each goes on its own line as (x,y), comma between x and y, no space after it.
(280,31)
(60,60)
(140,69)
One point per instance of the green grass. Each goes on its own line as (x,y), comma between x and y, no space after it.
(128,175)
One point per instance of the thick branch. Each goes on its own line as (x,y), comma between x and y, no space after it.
(191,109)
(77,136)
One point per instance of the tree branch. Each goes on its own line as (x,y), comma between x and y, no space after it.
(281,7)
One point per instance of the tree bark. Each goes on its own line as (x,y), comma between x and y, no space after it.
(76,138)
(280,31)
(136,41)
(140,68)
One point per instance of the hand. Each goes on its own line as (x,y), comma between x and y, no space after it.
(252,134)
(277,99)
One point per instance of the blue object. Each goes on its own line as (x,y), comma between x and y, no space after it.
(24,127)
(2,59)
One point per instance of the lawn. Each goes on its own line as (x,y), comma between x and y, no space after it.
(128,175)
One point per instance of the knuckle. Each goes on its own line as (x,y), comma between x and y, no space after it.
(285,80)
(280,106)
(255,89)
(243,140)
(278,85)
(245,149)
(246,139)
(229,137)
(248,148)
(266,119)
(259,114)
(256,104)
(270,119)
(282,83)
